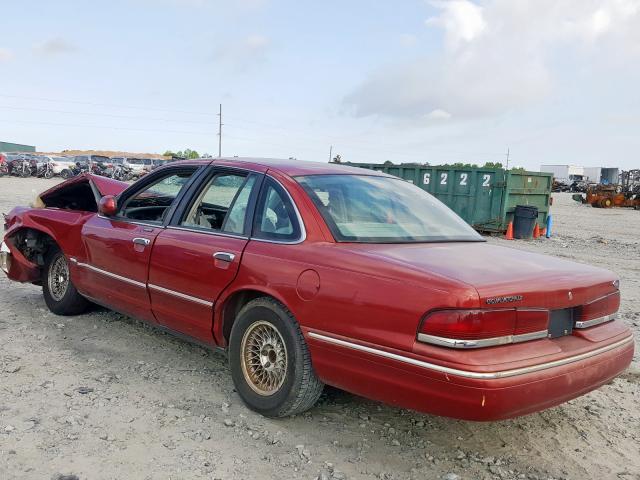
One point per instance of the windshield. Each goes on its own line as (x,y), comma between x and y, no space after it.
(369,209)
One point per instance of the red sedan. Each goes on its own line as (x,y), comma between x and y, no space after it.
(309,274)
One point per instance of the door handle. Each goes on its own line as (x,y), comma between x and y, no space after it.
(224,256)
(141,241)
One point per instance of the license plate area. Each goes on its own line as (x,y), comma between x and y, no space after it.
(561,322)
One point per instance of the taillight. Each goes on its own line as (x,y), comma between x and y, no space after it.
(483,328)
(599,311)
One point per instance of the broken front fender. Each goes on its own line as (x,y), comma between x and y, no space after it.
(15,265)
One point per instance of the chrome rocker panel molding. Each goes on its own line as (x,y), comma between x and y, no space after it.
(466,373)
(181,295)
(109,274)
(158,288)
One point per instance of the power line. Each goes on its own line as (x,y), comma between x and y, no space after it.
(101,127)
(110,115)
(132,107)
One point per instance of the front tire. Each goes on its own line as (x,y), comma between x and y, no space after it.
(270,361)
(59,293)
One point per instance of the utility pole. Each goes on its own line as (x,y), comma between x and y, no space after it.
(507,158)
(220,132)
(330,151)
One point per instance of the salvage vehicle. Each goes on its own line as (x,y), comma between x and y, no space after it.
(308,274)
(4,165)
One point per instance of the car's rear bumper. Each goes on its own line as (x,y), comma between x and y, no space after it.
(478,394)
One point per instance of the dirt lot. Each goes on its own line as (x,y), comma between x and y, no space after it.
(102,396)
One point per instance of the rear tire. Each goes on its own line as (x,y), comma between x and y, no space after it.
(270,362)
(59,293)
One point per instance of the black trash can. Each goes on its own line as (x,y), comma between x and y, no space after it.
(524,221)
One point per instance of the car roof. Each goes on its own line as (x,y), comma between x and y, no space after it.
(291,167)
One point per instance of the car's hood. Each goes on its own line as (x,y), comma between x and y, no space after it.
(103,185)
(499,272)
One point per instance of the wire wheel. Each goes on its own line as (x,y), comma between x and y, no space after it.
(264,358)
(58,278)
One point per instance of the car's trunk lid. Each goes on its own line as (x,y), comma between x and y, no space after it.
(502,276)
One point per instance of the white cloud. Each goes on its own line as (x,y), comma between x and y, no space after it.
(54,47)
(5,54)
(499,56)
(438,114)
(462,20)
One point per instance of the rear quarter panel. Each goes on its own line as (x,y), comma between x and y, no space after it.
(329,290)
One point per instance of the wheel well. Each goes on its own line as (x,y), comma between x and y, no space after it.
(232,307)
(33,244)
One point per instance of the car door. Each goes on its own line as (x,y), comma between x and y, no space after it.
(114,272)
(199,253)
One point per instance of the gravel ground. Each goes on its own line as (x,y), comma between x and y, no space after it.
(102,396)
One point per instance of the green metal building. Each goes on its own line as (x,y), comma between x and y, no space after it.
(16,147)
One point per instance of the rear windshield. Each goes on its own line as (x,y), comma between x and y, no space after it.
(369,209)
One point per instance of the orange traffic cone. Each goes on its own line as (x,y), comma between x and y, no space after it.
(509,235)
(536,231)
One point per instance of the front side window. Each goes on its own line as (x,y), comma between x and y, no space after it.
(370,209)
(222,204)
(152,203)
(275,218)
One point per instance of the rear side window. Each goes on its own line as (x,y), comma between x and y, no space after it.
(222,204)
(276,218)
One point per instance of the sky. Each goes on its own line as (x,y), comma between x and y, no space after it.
(438,81)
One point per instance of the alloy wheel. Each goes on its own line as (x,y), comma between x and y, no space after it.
(58,278)
(264,358)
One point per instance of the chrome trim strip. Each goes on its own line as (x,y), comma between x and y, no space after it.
(595,321)
(466,373)
(112,275)
(206,232)
(482,342)
(184,296)
(133,222)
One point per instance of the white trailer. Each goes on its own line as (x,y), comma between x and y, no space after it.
(564,173)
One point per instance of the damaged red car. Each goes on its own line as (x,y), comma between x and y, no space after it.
(308,274)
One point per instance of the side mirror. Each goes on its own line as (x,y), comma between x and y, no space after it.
(108,206)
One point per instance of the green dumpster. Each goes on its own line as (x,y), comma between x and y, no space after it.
(484,197)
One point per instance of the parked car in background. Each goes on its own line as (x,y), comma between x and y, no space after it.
(4,165)
(309,274)
(19,164)
(91,159)
(158,162)
(137,166)
(58,164)
(44,167)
